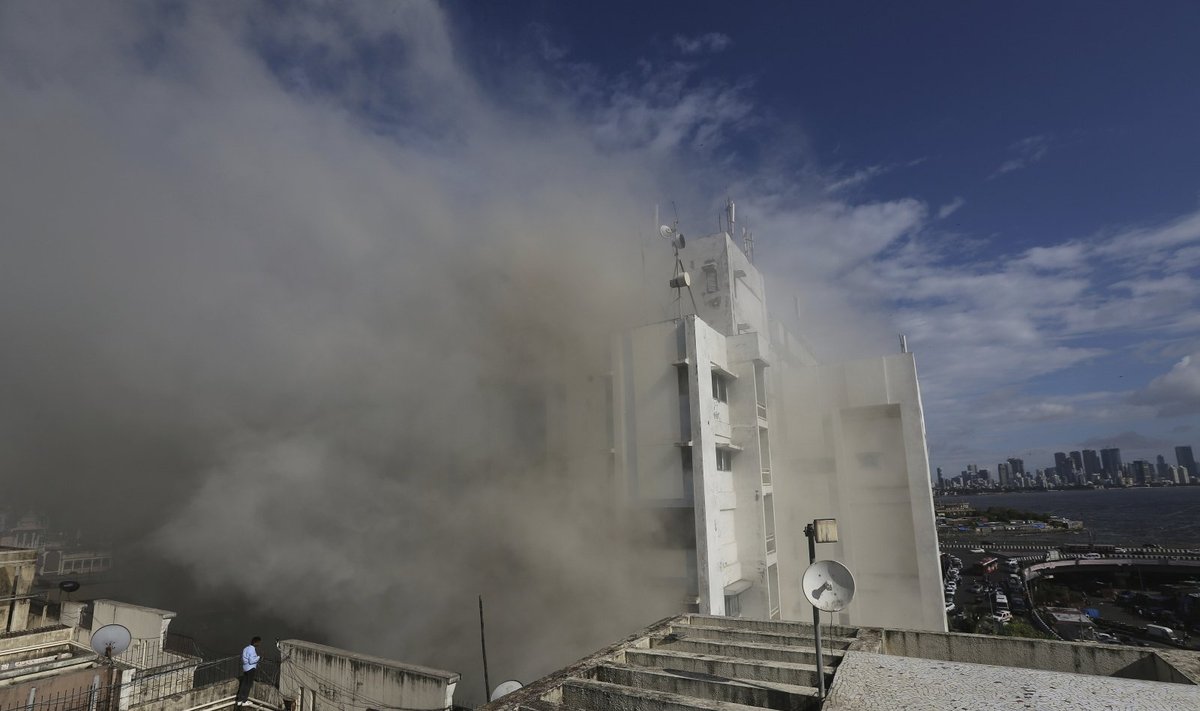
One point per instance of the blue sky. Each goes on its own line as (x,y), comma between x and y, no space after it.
(1051,150)
(1015,186)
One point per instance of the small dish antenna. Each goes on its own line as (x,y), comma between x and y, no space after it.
(672,235)
(68,587)
(504,688)
(111,640)
(828,585)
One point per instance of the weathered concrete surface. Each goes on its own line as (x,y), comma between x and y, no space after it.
(600,695)
(1048,655)
(761,694)
(311,670)
(738,636)
(877,682)
(732,667)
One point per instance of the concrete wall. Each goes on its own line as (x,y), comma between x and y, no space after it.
(73,689)
(1078,658)
(324,678)
(853,448)
(18,566)
(147,625)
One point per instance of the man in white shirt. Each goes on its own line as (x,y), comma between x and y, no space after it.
(250,661)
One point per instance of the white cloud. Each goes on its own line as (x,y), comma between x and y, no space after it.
(1176,392)
(1024,152)
(950,208)
(702,43)
(857,178)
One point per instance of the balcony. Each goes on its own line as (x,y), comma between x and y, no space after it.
(770,542)
(766,476)
(762,411)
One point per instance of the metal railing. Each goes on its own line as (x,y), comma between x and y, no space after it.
(762,410)
(766,475)
(771,543)
(143,690)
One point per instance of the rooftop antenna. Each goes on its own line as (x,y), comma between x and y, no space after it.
(679,276)
(903,343)
(111,640)
(828,585)
(748,244)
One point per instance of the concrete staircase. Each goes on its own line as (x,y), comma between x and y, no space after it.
(711,663)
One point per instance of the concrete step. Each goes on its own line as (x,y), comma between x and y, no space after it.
(755,650)
(730,667)
(741,635)
(760,694)
(591,694)
(777,626)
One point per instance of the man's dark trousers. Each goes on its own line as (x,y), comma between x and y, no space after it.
(245,683)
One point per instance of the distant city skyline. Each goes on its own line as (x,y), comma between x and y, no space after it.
(1108,466)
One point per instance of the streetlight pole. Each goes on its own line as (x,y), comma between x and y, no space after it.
(811,532)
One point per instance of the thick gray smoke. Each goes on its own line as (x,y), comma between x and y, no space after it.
(300,349)
(288,297)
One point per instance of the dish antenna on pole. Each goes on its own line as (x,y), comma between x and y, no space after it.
(828,585)
(673,235)
(680,279)
(111,640)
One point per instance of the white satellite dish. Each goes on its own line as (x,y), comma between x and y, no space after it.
(828,585)
(111,640)
(672,235)
(504,688)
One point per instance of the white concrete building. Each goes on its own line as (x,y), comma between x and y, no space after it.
(729,436)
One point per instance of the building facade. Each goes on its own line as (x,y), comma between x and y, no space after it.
(728,436)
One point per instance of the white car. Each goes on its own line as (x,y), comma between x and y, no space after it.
(978,550)
(1003,616)
(949,607)
(1091,556)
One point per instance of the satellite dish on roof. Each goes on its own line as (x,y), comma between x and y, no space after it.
(110,640)
(672,235)
(504,688)
(828,585)
(68,586)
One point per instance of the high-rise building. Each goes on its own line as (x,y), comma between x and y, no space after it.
(1091,462)
(1002,474)
(1077,461)
(1016,466)
(941,482)
(1142,471)
(1062,465)
(729,433)
(1110,461)
(1185,459)
(1162,470)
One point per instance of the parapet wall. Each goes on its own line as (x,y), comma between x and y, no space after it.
(1048,655)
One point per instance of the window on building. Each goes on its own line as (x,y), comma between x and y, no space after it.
(733,605)
(769,521)
(720,388)
(710,279)
(724,460)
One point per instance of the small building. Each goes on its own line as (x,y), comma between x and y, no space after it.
(18,567)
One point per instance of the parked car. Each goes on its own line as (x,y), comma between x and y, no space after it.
(978,550)
(1003,616)
(1092,556)
(1120,550)
(949,607)
(1106,638)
